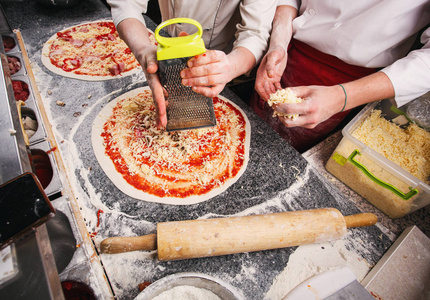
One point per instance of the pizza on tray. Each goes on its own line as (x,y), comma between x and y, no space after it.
(182,167)
(91,51)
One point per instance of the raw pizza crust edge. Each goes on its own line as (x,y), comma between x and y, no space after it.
(108,166)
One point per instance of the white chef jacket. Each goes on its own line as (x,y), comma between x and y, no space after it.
(371,33)
(226,24)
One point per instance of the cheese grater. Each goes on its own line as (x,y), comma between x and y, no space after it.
(186,109)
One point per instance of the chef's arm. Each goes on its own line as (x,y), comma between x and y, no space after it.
(128,19)
(274,62)
(135,34)
(368,89)
(241,61)
(130,24)
(404,80)
(282,27)
(411,75)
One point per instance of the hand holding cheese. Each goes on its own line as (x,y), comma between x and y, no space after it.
(306,106)
(322,102)
(284,96)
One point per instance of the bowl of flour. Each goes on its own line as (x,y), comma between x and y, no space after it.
(189,286)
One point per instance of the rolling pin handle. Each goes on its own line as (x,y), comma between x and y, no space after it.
(115,245)
(361,220)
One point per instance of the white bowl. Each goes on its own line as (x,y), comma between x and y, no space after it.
(222,289)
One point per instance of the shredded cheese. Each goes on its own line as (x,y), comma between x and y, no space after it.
(408,148)
(284,96)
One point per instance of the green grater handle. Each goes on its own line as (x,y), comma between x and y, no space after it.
(400,112)
(182,46)
(388,186)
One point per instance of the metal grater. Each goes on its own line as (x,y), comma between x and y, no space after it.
(186,109)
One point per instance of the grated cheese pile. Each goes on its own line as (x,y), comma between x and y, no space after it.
(284,96)
(408,148)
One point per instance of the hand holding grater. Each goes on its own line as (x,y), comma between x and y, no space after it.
(186,109)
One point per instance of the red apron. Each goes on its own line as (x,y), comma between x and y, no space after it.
(308,66)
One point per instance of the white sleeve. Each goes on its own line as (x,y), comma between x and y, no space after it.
(124,9)
(293,3)
(253,31)
(410,75)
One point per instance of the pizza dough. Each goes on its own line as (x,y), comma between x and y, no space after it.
(181,168)
(90,51)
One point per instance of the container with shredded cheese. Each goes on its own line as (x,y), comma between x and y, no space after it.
(387,164)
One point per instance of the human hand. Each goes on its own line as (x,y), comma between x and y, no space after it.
(207,73)
(145,53)
(270,71)
(148,60)
(321,102)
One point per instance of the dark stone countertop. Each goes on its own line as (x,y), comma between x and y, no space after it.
(277,177)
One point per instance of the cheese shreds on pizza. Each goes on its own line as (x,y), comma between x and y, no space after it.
(90,51)
(181,167)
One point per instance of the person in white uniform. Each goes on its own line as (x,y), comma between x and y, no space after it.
(339,55)
(235,31)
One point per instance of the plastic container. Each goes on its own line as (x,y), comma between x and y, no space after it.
(387,186)
(418,111)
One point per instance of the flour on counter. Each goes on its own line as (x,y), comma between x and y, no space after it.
(90,198)
(187,292)
(310,260)
(279,202)
(128,270)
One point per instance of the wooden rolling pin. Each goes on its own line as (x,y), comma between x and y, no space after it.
(221,236)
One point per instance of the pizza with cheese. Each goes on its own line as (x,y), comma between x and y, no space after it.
(180,167)
(90,51)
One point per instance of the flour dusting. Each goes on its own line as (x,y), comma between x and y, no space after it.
(310,260)
(279,202)
(128,270)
